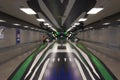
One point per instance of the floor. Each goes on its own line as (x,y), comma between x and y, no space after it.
(58,62)
(112,63)
(7,69)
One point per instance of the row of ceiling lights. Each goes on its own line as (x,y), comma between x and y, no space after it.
(108,23)
(92,11)
(104,24)
(29,11)
(16,24)
(32,12)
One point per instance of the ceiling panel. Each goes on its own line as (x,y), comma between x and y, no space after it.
(60,13)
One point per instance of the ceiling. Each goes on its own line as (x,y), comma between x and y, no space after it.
(60,14)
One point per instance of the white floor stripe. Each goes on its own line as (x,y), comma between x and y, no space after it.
(34,72)
(87,59)
(89,62)
(38,67)
(88,70)
(49,51)
(80,69)
(43,69)
(36,60)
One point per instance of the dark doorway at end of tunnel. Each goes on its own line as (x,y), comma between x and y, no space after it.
(61,47)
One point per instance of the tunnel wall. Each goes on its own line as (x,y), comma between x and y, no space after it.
(9,49)
(105,40)
(9,38)
(25,37)
(30,36)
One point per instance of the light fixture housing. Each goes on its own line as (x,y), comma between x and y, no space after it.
(41,20)
(28,11)
(82,19)
(95,10)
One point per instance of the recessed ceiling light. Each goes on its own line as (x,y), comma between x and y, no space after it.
(73,26)
(15,24)
(95,10)
(118,20)
(82,19)
(28,11)
(39,30)
(32,28)
(2,21)
(77,24)
(46,24)
(26,26)
(41,20)
(49,26)
(91,27)
(105,23)
(36,29)
(69,29)
(86,28)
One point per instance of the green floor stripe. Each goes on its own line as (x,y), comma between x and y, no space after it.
(41,58)
(83,59)
(97,63)
(18,75)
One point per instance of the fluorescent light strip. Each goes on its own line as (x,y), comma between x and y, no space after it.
(28,11)
(76,24)
(95,10)
(91,27)
(32,28)
(118,20)
(26,26)
(82,19)
(2,21)
(73,26)
(47,24)
(36,29)
(70,28)
(105,23)
(15,24)
(41,20)
(86,28)
(53,29)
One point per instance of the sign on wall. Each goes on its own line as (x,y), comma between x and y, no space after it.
(17,36)
(2,29)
